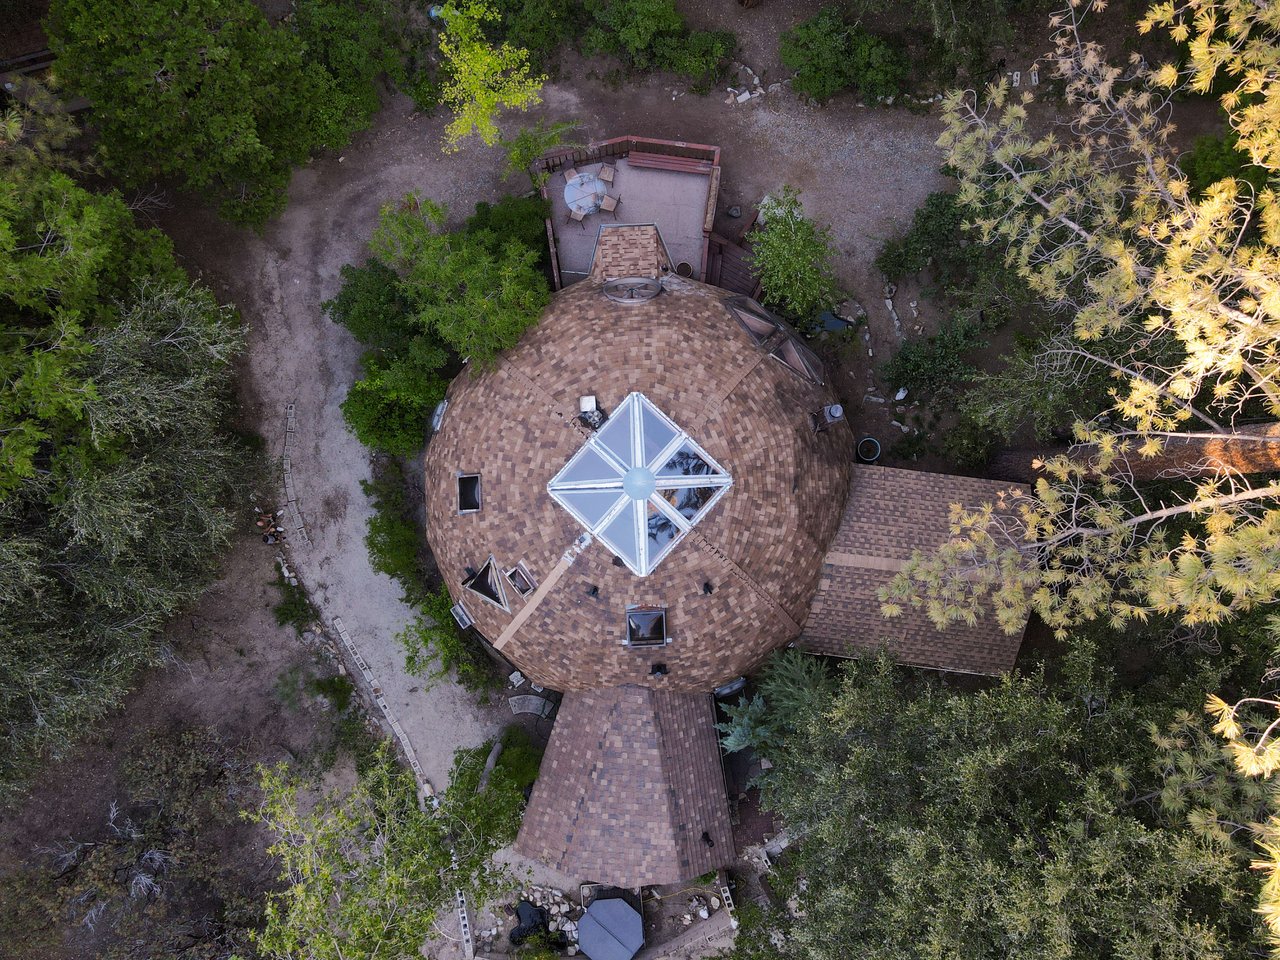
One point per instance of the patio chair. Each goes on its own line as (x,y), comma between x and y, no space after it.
(606,173)
(610,203)
(569,174)
(577,216)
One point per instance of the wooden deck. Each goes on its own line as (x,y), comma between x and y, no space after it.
(729,266)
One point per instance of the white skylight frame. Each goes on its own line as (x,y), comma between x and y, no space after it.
(622,476)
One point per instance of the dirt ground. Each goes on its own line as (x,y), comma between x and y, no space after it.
(230,670)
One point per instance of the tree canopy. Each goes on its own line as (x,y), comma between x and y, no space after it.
(366,872)
(209,93)
(1028,820)
(430,298)
(792,254)
(1171,297)
(481,77)
(115,463)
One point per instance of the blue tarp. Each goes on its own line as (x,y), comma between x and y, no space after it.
(610,930)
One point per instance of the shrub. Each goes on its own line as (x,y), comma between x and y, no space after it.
(434,646)
(818,51)
(540,26)
(295,607)
(388,408)
(1213,158)
(348,42)
(651,35)
(210,93)
(512,218)
(877,68)
(372,305)
(393,538)
(829,55)
(792,257)
(935,366)
(935,233)
(697,54)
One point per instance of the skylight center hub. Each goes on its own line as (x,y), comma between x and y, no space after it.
(638,483)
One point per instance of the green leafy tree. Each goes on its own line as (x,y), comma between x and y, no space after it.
(481,78)
(531,143)
(211,94)
(477,292)
(366,873)
(791,255)
(435,648)
(829,55)
(652,35)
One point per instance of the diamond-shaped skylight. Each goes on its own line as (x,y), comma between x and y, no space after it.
(639,484)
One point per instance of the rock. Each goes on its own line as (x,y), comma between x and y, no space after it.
(914,309)
(553,926)
(775,87)
(851,310)
(744,96)
(729,99)
(890,290)
(901,394)
(715,903)
(686,919)
(872,399)
(571,950)
(734,212)
(704,913)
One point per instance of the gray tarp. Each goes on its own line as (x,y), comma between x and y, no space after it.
(610,930)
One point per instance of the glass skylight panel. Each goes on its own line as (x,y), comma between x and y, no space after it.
(623,536)
(760,328)
(591,506)
(658,432)
(486,583)
(617,435)
(799,358)
(629,484)
(689,501)
(687,461)
(590,467)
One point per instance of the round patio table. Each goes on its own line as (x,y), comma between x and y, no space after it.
(583,193)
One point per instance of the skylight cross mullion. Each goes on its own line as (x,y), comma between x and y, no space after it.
(692,480)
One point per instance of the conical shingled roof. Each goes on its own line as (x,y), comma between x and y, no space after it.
(759,548)
(631,792)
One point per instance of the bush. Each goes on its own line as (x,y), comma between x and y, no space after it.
(829,55)
(210,93)
(393,539)
(818,51)
(372,305)
(1213,158)
(540,26)
(792,256)
(651,35)
(936,234)
(434,646)
(388,408)
(513,218)
(697,54)
(294,608)
(935,366)
(350,44)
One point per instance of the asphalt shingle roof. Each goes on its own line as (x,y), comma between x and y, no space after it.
(889,514)
(760,547)
(630,782)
